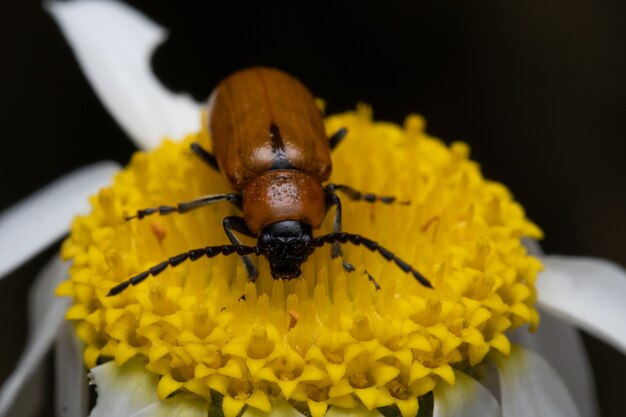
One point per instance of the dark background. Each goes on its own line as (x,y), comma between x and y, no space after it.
(537,88)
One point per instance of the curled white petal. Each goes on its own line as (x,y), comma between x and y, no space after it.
(531,387)
(32,224)
(559,343)
(113,44)
(123,390)
(587,292)
(71,393)
(45,320)
(467,398)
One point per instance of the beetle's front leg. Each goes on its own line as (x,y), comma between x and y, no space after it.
(335,251)
(333,199)
(238,224)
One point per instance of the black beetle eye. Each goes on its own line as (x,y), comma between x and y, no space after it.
(265,240)
(297,247)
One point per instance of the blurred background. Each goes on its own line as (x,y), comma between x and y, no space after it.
(536,88)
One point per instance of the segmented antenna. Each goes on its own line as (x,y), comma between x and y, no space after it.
(212,251)
(374,247)
(192,255)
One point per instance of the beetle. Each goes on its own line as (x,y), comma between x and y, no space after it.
(269,142)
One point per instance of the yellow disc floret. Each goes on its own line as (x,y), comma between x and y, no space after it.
(328,338)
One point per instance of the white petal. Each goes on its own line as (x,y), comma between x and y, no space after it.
(31,225)
(531,387)
(72,395)
(533,246)
(359,411)
(113,44)
(45,320)
(123,390)
(467,398)
(279,409)
(588,292)
(561,345)
(179,406)
(41,296)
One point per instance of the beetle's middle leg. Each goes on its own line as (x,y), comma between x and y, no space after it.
(238,224)
(232,198)
(356,195)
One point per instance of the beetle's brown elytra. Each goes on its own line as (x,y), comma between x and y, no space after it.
(269,142)
(262,119)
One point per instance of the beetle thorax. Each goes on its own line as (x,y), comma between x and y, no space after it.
(283,194)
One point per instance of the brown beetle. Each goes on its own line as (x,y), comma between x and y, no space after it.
(269,142)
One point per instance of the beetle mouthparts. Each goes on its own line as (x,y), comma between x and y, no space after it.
(285,270)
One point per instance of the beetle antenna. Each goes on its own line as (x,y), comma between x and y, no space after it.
(192,255)
(374,247)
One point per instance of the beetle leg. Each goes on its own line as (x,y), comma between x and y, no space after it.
(233,198)
(373,281)
(356,195)
(238,224)
(205,155)
(337,137)
(335,251)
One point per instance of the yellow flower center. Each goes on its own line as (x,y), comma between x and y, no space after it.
(328,337)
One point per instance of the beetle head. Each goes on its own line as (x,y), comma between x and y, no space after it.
(285,244)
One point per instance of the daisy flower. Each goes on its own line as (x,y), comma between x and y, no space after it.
(493,338)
